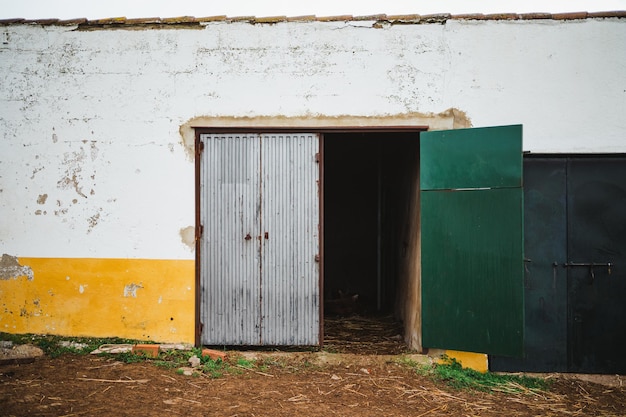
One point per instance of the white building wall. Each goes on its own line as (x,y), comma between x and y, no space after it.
(92,163)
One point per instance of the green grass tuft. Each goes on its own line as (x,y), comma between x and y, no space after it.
(452,373)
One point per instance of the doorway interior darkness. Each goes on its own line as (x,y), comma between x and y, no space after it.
(368,178)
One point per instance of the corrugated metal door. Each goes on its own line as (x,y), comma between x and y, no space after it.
(260,212)
(230,215)
(472,247)
(290,308)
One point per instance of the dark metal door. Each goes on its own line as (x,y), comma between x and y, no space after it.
(545,280)
(471,228)
(575,226)
(597,264)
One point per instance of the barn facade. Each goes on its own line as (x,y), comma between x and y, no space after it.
(212,180)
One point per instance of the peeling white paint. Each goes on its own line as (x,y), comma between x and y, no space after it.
(160,299)
(94,122)
(81,288)
(188,237)
(10,268)
(130,290)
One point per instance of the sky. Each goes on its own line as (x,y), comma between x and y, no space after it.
(97,9)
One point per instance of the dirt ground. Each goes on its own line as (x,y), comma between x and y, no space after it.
(293,383)
(360,376)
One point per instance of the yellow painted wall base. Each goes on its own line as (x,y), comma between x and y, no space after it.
(129,298)
(476,361)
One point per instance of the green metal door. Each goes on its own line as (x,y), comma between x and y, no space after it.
(472,240)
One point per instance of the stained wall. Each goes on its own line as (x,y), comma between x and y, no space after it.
(97,184)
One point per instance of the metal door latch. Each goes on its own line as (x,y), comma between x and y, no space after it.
(590,265)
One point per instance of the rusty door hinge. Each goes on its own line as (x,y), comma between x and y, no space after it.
(317,157)
(199,147)
(199,231)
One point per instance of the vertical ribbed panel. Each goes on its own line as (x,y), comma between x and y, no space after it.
(263,290)
(290,217)
(230,263)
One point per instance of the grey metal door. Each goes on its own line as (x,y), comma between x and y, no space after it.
(229,201)
(259,209)
(290,296)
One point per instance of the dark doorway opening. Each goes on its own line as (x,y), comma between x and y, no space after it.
(368,177)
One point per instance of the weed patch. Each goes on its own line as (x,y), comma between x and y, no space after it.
(55,346)
(454,375)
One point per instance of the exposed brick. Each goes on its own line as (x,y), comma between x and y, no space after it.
(151,351)
(214,354)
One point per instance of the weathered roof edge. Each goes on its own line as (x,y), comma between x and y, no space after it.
(381,18)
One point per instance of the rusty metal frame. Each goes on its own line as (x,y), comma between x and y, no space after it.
(199,130)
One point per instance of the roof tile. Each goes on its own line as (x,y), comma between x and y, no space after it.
(270,19)
(11,21)
(76,21)
(620,13)
(346,17)
(41,21)
(370,17)
(469,16)
(404,18)
(143,20)
(306,18)
(180,19)
(241,18)
(533,16)
(435,18)
(570,16)
(502,16)
(220,18)
(108,21)
(407,18)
